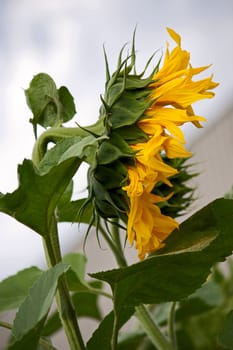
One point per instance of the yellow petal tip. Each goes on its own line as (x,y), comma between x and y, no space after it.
(175,36)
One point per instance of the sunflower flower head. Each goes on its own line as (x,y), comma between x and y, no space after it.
(139,175)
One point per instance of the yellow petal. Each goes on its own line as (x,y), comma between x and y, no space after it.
(174,36)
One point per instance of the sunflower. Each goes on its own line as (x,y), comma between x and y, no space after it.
(142,119)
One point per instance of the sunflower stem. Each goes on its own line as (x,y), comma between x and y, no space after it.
(171,325)
(151,329)
(52,245)
(64,303)
(117,240)
(56,134)
(120,258)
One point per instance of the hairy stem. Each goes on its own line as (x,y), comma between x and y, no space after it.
(120,258)
(151,329)
(56,134)
(117,240)
(171,324)
(63,299)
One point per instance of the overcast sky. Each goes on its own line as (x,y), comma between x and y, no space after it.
(64,38)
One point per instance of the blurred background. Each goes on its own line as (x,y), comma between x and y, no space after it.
(65,38)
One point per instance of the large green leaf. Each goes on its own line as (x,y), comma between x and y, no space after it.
(30,318)
(184,263)
(71,211)
(14,289)
(34,202)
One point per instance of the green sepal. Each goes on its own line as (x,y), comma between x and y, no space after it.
(104,201)
(126,98)
(128,110)
(132,134)
(126,94)
(182,194)
(112,149)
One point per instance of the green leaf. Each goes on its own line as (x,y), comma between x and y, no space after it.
(30,318)
(53,156)
(82,147)
(71,211)
(85,304)
(34,202)
(49,106)
(67,104)
(52,325)
(42,98)
(86,149)
(76,273)
(131,340)
(184,341)
(14,289)
(182,266)
(66,196)
(101,338)
(226,335)
(210,295)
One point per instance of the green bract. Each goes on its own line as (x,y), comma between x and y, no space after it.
(126,98)
(182,194)
(124,102)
